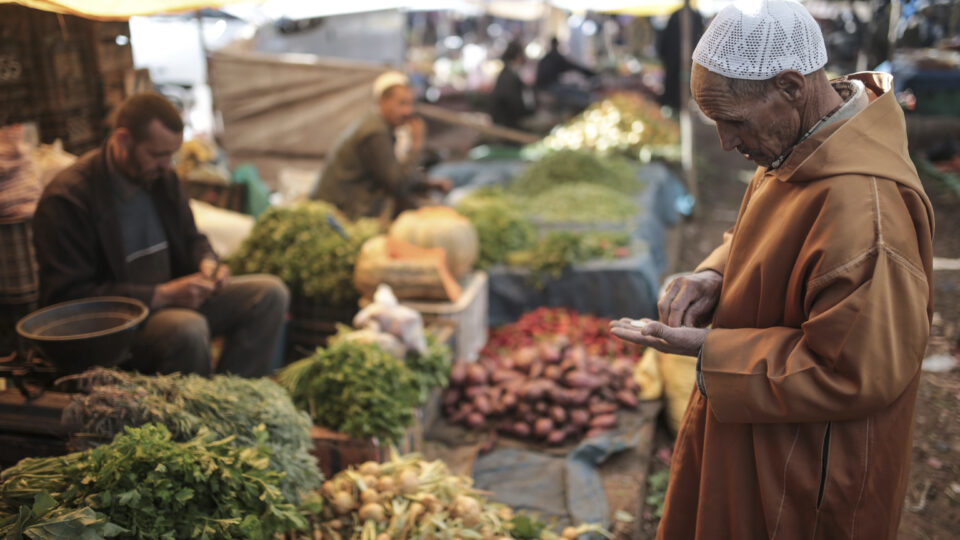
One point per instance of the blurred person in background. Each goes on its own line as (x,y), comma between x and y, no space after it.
(551,69)
(512,100)
(374,168)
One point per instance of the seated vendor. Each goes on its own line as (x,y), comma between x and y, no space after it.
(116,223)
(368,174)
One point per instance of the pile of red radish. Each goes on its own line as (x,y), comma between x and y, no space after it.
(553,376)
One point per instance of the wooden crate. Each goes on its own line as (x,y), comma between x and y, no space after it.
(31,428)
(222,195)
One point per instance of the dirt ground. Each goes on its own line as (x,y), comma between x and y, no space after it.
(932,507)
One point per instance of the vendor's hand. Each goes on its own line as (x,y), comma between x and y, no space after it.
(686,341)
(216,272)
(418,132)
(188,292)
(441,184)
(690,299)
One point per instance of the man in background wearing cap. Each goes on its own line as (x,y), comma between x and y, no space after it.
(820,298)
(364,177)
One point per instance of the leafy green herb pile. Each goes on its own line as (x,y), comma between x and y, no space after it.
(430,370)
(500,224)
(310,246)
(355,388)
(576,166)
(507,237)
(559,249)
(146,485)
(582,202)
(186,404)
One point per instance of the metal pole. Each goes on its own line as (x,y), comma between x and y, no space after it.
(686,123)
(892,31)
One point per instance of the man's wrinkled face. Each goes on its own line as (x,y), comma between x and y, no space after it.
(396,105)
(760,128)
(148,160)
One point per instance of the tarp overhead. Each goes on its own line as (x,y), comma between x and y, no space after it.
(119,9)
(513,9)
(291,106)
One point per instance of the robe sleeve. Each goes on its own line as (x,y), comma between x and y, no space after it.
(859,349)
(717,260)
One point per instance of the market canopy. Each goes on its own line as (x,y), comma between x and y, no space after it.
(521,9)
(119,9)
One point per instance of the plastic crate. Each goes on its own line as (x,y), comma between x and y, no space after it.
(469,314)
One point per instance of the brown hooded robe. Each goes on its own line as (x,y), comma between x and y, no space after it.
(812,368)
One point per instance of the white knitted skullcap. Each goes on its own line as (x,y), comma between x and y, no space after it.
(760,38)
(389,80)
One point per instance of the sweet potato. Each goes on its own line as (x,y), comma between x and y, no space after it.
(476,374)
(603,407)
(550,352)
(556,437)
(558,414)
(451,396)
(603,421)
(581,379)
(471,392)
(541,407)
(536,369)
(594,432)
(627,398)
(475,419)
(482,404)
(458,373)
(503,375)
(508,401)
(521,429)
(579,417)
(523,357)
(552,372)
(542,427)
(535,390)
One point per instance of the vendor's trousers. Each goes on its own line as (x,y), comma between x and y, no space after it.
(248,313)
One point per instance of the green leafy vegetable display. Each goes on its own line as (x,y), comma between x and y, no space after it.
(354,388)
(430,370)
(501,226)
(146,485)
(310,246)
(186,404)
(559,249)
(576,166)
(507,237)
(582,202)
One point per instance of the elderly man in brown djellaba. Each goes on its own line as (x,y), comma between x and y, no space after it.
(818,301)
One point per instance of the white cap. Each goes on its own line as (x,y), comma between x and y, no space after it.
(389,80)
(760,38)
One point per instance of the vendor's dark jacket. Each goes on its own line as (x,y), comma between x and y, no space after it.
(363,177)
(78,240)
